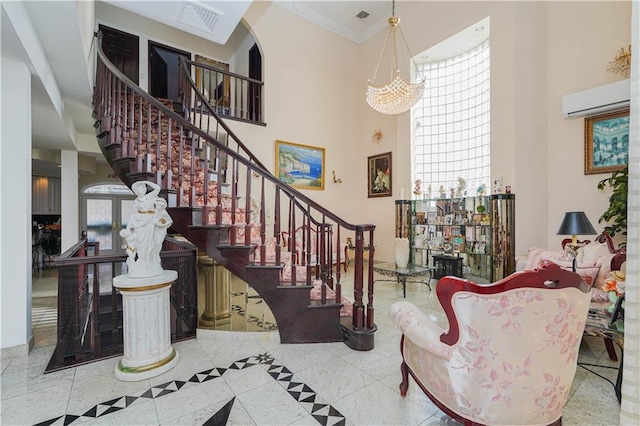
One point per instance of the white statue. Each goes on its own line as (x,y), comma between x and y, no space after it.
(146,230)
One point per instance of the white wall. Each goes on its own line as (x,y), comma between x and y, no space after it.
(15,205)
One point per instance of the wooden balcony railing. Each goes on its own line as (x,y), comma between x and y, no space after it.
(90,308)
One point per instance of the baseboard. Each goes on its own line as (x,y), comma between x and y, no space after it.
(18,350)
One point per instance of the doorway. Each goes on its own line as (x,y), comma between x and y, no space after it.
(122,50)
(164,67)
(106,209)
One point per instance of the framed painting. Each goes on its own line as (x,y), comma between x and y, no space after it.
(379,175)
(300,166)
(606,142)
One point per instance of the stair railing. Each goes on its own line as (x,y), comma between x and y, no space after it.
(231,95)
(89,323)
(200,163)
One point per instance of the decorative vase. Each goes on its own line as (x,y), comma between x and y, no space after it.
(402,252)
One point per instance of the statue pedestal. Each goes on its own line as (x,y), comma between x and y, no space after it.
(217,288)
(147,328)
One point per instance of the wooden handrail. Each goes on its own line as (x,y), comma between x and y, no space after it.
(151,141)
(89,324)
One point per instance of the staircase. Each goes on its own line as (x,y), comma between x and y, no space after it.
(226,202)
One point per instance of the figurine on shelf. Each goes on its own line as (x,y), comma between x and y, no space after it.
(428,193)
(452,191)
(417,190)
(481,189)
(443,192)
(462,186)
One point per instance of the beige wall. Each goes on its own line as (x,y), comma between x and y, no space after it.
(315,82)
(582,39)
(540,51)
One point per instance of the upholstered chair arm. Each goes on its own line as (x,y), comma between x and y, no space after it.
(420,329)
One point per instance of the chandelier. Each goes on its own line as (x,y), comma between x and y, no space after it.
(399,94)
(621,63)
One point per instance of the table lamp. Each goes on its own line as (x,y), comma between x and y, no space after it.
(574,224)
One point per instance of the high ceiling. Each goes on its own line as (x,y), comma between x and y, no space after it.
(216,20)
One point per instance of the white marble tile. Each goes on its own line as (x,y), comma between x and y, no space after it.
(335,378)
(35,407)
(298,357)
(440,419)
(192,359)
(237,416)
(38,358)
(414,393)
(241,381)
(378,363)
(23,382)
(222,352)
(89,390)
(389,408)
(192,398)
(138,414)
(271,404)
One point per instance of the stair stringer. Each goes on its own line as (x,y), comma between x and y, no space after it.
(299,320)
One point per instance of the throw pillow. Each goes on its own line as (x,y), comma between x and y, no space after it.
(592,252)
(588,273)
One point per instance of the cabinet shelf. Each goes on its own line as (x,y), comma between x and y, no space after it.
(479,230)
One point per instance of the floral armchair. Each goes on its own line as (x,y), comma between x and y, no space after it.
(510,354)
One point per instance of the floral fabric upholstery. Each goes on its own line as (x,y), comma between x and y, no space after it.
(514,361)
(588,265)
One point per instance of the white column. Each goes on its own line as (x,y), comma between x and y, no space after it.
(15,207)
(630,406)
(69,193)
(147,327)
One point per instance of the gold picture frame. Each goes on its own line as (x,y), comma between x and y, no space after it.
(300,166)
(606,142)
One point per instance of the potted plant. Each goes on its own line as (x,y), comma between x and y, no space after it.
(616,213)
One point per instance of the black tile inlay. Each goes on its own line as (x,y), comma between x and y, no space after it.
(324,414)
(222,416)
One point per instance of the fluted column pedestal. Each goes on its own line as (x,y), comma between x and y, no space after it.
(217,288)
(147,327)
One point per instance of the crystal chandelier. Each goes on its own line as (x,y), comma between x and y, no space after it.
(621,63)
(399,94)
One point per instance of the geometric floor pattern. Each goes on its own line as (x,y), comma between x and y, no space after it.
(324,413)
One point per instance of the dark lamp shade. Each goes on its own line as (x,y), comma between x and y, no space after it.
(576,223)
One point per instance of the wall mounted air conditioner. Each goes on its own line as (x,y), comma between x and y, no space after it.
(597,100)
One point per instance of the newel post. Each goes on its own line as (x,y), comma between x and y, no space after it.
(360,335)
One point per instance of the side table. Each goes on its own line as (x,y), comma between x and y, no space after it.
(444,265)
(600,324)
(401,274)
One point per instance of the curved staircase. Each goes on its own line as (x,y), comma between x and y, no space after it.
(225,201)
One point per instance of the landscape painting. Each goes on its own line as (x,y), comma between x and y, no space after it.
(300,166)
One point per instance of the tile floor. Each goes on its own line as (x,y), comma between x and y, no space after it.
(249,378)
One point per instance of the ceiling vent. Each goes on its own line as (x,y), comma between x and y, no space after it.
(199,16)
(362,15)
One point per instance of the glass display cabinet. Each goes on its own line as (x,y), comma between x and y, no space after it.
(479,230)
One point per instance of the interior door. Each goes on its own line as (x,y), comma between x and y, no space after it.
(122,50)
(105,216)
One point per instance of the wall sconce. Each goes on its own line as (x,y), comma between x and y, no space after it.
(377,135)
(336,180)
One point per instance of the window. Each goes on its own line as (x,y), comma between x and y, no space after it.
(451,137)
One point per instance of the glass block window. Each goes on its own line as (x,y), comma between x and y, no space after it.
(451,134)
